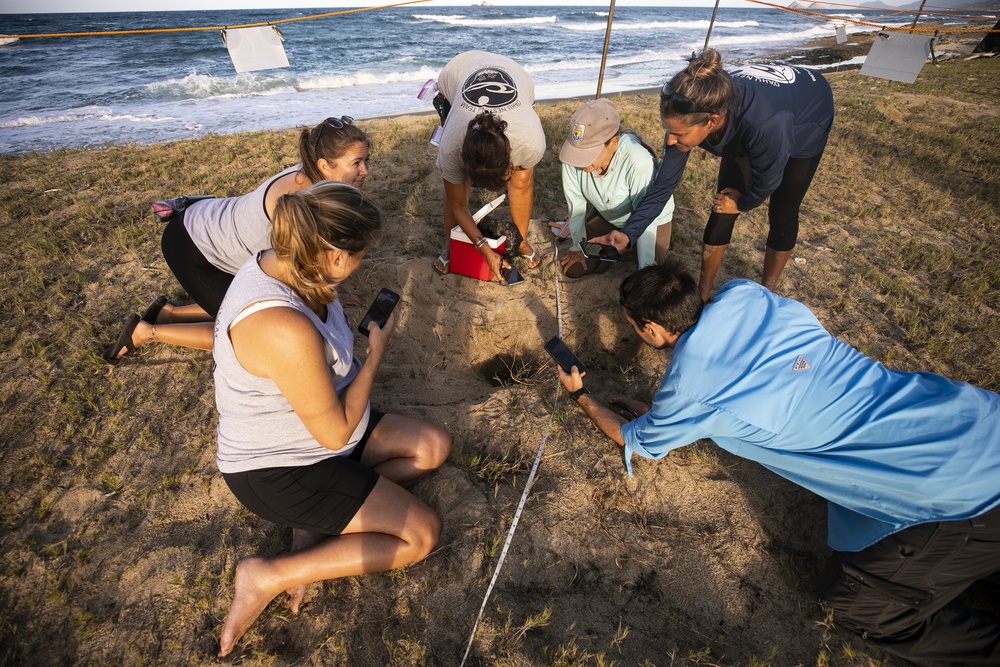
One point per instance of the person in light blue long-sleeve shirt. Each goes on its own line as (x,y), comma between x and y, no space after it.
(908,462)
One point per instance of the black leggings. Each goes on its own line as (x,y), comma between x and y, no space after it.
(204,282)
(783,209)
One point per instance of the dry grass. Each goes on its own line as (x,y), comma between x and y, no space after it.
(119,538)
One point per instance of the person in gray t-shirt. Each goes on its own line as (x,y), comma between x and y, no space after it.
(492,138)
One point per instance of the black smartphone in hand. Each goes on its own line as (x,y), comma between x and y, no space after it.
(563,356)
(604,253)
(511,275)
(380,310)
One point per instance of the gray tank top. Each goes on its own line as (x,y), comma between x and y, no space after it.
(229,230)
(257,426)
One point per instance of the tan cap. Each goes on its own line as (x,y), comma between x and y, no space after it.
(589,129)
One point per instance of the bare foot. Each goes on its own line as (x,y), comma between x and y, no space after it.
(301,539)
(249,600)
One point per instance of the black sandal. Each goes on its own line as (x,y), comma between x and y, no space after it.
(124,339)
(154,309)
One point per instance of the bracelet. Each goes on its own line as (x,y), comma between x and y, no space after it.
(152,335)
(575,395)
(480,242)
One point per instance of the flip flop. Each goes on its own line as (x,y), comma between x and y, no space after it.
(533,259)
(154,309)
(124,339)
(444,270)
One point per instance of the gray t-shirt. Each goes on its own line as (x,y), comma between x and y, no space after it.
(257,426)
(477,81)
(229,230)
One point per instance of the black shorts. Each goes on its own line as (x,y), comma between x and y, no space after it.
(322,497)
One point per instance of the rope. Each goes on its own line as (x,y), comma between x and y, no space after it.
(879,26)
(985,15)
(531,476)
(214,27)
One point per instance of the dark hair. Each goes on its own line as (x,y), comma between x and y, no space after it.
(703,82)
(328,215)
(486,152)
(331,143)
(664,294)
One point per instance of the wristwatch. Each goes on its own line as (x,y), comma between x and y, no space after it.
(575,395)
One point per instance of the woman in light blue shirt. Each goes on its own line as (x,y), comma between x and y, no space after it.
(607,170)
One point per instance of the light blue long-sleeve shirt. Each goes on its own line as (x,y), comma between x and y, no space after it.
(760,376)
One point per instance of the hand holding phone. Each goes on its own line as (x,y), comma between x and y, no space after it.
(604,253)
(380,310)
(563,356)
(511,275)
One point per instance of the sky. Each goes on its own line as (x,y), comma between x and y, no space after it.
(56,6)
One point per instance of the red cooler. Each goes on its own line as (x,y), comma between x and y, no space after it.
(466,260)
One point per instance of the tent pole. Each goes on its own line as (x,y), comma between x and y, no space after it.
(604,56)
(711,24)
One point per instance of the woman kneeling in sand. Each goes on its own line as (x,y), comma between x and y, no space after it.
(299,443)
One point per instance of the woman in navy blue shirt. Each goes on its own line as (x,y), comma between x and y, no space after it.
(769,123)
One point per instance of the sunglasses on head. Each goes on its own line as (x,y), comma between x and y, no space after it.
(333,122)
(680,103)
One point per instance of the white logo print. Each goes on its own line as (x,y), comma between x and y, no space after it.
(775,75)
(801,364)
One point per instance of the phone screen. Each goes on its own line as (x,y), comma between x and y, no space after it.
(511,275)
(563,356)
(606,253)
(380,310)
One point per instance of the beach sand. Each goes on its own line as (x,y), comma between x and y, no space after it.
(119,537)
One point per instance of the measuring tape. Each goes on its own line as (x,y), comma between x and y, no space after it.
(531,476)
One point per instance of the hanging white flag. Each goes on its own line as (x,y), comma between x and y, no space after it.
(841,34)
(897,57)
(255,48)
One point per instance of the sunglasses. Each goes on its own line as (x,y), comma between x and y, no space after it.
(679,103)
(336,123)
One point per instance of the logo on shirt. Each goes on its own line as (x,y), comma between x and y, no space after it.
(801,364)
(489,87)
(578,131)
(775,75)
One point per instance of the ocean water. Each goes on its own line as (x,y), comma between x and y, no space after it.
(89,91)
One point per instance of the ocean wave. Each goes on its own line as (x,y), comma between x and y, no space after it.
(658,25)
(201,86)
(465,22)
(797,36)
(331,81)
(88,114)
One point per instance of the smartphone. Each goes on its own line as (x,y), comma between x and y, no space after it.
(511,275)
(563,356)
(605,253)
(380,310)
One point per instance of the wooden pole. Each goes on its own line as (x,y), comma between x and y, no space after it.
(604,56)
(917,16)
(711,24)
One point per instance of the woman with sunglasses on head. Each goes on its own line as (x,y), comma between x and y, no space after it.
(205,244)
(492,138)
(299,442)
(769,123)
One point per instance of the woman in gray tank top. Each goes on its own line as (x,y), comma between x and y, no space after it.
(299,443)
(206,244)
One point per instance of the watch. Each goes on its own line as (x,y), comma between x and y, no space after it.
(575,395)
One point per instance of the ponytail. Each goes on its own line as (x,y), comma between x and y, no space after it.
(703,82)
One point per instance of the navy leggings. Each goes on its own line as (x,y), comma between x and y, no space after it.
(204,282)
(783,209)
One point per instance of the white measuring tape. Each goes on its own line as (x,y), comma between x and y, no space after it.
(531,476)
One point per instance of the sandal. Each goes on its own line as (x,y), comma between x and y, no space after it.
(154,310)
(124,339)
(533,259)
(441,265)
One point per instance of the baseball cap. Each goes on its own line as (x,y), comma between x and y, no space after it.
(589,128)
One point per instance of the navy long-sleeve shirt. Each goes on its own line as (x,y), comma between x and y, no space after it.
(777,112)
